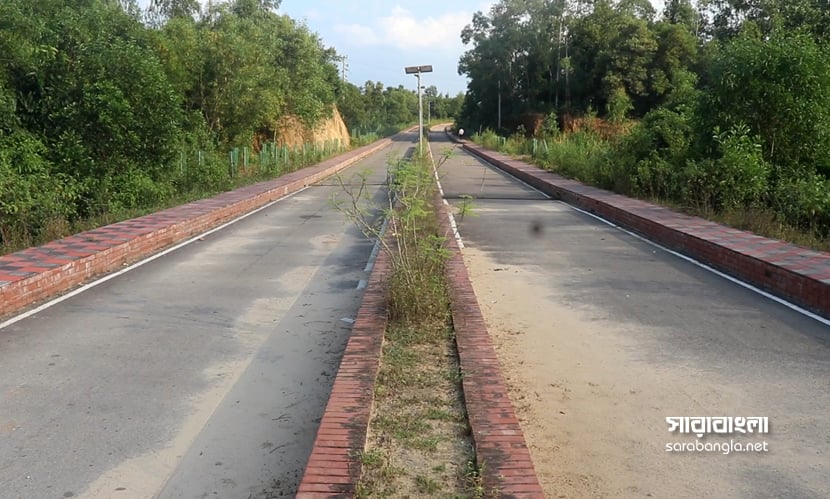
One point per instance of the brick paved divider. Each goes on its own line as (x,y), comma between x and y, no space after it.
(334,466)
(42,272)
(501,451)
(791,272)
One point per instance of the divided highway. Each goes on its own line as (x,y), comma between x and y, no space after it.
(201,374)
(602,335)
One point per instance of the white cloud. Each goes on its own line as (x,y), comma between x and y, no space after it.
(358,34)
(405,31)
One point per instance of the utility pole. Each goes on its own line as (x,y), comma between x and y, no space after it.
(417,70)
(344,66)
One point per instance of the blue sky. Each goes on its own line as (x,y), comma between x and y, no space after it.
(380,37)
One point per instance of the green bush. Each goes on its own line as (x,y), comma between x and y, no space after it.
(804,201)
(778,86)
(136,189)
(31,195)
(742,174)
(651,153)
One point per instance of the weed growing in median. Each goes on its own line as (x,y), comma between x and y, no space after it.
(418,432)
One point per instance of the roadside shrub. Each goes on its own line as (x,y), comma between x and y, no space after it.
(136,189)
(581,155)
(619,105)
(489,139)
(779,86)
(651,152)
(803,200)
(31,195)
(743,173)
(738,178)
(655,178)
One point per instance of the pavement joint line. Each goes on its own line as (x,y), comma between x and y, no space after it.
(713,270)
(140,263)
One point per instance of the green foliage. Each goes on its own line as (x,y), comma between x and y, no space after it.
(731,99)
(419,252)
(416,253)
(374,108)
(557,57)
(803,200)
(737,177)
(31,195)
(651,153)
(101,114)
(582,156)
(619,105)
(780,88)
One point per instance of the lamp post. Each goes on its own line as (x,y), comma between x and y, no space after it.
(417,70)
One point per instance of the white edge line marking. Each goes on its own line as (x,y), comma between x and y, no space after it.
(713,270)
(375,250)
(90,285)
(455,231)
(689,259)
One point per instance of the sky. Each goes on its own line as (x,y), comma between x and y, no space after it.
(380,37)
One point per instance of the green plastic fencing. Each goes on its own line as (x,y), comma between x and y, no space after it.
(271,159)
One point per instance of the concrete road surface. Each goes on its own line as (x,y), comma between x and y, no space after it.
(201,374)
(602,336)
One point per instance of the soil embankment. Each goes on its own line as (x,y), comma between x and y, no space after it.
(291,131)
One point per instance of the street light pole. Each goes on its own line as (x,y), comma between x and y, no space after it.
(420,118)
(417,70)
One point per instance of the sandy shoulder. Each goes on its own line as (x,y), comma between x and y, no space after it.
(592,412)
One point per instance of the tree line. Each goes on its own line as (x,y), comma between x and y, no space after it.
(374,107)
(106,108)
(721,104)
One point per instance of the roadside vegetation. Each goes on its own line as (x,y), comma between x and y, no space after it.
(419,441)
(108,112)
(717,108)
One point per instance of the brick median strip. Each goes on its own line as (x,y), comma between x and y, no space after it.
(36,274)
(501,451)
(334,467)
(795,274)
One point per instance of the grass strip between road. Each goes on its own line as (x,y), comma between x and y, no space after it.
(418,440)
